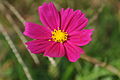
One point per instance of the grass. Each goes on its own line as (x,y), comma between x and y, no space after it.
(104,17)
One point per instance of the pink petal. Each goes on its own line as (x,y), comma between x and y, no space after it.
(72,20)
(72,52)
(38,46)
(55,50)
(66,16)
(81,38)
(49,15)
(36,31)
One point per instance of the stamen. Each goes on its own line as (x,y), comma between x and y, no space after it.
(59,35)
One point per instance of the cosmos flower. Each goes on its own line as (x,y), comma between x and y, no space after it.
(61,34)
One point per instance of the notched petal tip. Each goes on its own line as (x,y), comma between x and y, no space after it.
(26,25)
(24,33)
(74,60)
(36,31)
(49,15)
(73,52)
(44,4)
(81,38)
(87,20)
(92,30)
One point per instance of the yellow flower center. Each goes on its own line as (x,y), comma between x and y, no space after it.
(59,36)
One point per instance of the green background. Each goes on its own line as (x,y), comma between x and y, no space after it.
(104,17)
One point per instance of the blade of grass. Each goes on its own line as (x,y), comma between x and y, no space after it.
(23,39)
(16,28)
(12,8)
(15,51)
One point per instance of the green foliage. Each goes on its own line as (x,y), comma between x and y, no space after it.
(104,47)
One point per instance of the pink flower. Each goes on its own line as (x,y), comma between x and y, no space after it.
(61,35)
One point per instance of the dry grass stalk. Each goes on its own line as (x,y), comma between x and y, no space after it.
(15,51)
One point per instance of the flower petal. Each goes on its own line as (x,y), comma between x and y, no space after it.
(72,20)
(55,50)
(36,31)
(66,16)
(72,52)
(81,38)
(49,15)
(38,46)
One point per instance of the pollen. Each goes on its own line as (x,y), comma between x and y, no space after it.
(59,36)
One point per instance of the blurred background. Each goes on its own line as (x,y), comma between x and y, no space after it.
(17,63)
